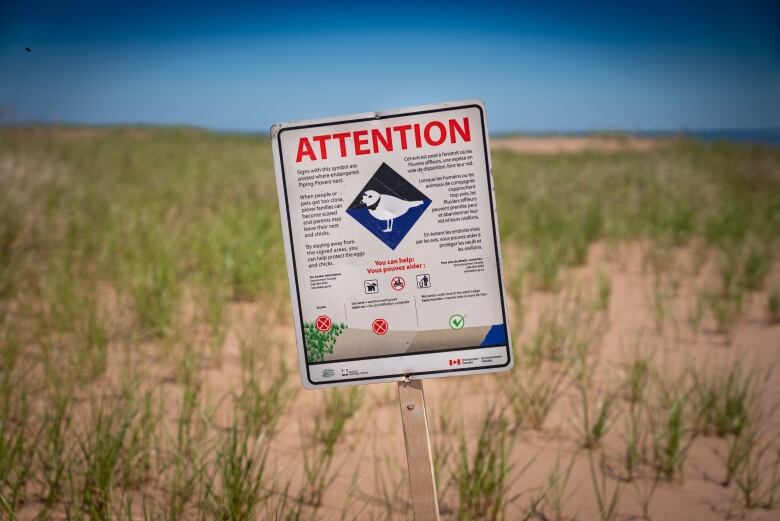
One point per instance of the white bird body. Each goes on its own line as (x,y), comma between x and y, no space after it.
(386,207)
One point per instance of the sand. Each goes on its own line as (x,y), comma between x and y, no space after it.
(572,144)
(373,449)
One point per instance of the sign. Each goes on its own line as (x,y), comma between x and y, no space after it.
(392,246)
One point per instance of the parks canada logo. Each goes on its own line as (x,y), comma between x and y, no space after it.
(388,206)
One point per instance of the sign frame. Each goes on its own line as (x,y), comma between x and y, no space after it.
(305,366)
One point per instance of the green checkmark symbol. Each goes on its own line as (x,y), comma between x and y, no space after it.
(457,321)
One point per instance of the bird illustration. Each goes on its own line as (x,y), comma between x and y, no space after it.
(386,207)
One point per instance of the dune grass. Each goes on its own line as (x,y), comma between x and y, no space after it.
(128,259)
(563,204)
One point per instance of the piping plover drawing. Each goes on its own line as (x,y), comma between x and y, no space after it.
(386,207)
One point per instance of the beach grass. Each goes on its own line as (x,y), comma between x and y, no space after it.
(146,369)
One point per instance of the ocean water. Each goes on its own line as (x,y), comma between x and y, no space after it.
(758,136)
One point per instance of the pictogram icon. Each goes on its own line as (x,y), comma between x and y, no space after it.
(371,286)
(380,326)
(388,206)
(323,323)
(457,321)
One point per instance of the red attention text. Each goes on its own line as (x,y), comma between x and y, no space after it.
(372,141)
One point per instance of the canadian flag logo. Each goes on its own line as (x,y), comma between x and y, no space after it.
(454,361)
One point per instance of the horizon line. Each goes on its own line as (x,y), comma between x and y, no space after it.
(519,131)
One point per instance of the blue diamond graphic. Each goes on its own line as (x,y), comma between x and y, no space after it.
(388,206)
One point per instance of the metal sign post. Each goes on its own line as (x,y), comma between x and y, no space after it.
(418,450)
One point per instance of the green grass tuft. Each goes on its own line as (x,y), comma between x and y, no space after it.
(481,476)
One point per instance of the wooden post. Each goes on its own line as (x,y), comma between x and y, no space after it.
(418,450)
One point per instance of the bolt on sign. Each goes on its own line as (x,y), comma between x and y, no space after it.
(392,246)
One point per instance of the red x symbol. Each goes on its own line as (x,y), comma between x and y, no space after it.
(380,326)
(323,323)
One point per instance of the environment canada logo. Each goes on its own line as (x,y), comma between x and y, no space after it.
(388,206)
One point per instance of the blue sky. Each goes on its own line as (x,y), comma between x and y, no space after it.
(539,66)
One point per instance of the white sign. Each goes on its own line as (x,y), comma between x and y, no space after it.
(392,246)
